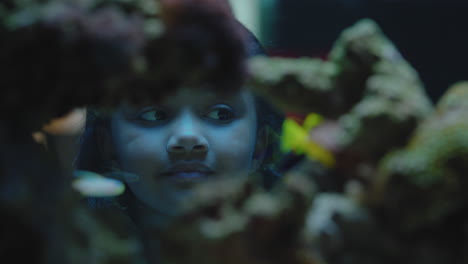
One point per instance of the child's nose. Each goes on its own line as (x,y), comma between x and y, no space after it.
(187,135)
(187,143)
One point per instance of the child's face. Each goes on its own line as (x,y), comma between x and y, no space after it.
(188,138)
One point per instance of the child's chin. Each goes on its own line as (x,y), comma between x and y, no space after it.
(173,204)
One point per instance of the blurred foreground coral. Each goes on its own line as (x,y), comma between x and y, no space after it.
(382,180)
(396,193)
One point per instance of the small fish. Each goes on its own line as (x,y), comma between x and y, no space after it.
(91,184)
(296,138)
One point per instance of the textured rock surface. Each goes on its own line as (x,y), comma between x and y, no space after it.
(400,163)
(396,195)
(431,170)
(366,85)
(242,224)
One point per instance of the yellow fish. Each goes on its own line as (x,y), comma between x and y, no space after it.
(296,138)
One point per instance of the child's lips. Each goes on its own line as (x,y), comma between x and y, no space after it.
(188,172)
(187,176)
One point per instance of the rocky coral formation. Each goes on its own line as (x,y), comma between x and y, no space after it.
(57,55)
(431,167)
(371,97)
(399,175)
(100,52)
(241,223)
(395,195)
(364,74)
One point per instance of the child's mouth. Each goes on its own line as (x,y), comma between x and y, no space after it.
(188,175)
(188,172)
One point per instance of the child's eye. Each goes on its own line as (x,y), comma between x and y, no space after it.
(221,113)
(153,115)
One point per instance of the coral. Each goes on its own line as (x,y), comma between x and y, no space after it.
(346,232)
(242,224)
(396,193)
(57,55)
(400,163)
(369,95)
(103,236)
(100,52)
(295,85)
(430,170)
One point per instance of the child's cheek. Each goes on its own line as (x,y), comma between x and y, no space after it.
(235,149)
(139,151)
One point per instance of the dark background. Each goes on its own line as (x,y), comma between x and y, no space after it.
(432,34)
